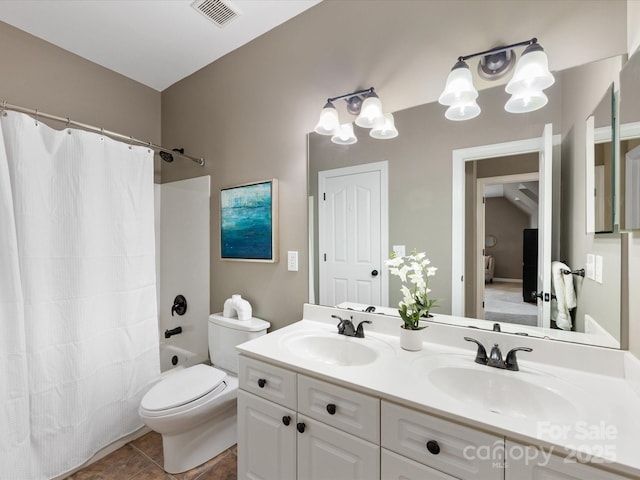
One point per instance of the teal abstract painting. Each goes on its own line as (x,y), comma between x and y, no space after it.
(247,221)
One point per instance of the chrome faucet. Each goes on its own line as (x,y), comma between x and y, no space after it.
(346,327)
(495,357)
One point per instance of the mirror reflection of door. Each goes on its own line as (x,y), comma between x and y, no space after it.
(508,211)
(352,233)
(508,159)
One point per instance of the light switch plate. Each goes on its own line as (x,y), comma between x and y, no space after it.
(590,267)
(598,269)
(292,261)
(399,250)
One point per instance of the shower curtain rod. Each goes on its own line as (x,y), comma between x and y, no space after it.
(118,136)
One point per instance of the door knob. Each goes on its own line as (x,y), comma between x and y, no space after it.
(374,273)
(286,420)
(300,426)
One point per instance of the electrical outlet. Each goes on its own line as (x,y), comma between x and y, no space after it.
(292,261)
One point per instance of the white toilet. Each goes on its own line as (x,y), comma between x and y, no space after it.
(195,409)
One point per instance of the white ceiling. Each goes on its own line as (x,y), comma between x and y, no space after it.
(156,42)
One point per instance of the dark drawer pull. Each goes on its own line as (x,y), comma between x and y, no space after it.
(286,420)
(433,447)
(262,382)
(300,427)
(331,408)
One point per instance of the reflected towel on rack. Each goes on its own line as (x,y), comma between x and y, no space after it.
(565,295)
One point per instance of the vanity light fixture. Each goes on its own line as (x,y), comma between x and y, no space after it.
(368,108)
(526,87)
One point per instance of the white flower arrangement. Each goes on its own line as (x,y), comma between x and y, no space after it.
(414,272)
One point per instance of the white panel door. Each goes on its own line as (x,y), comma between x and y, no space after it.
(544,227)
(326,453)
(352,237)
(266,439)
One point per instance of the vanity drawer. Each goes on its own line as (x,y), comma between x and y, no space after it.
(397,467)
(462,452)
(268,381)
(352,412)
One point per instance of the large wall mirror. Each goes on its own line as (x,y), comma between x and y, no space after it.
(629,119)
(600,167)
(413,175)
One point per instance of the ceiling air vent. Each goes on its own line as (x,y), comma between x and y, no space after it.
(219,12)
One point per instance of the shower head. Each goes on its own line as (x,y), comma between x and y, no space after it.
(166,156)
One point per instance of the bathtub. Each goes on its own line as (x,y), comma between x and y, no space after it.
(172,358)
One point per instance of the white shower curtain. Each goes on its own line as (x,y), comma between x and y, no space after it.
(79,332)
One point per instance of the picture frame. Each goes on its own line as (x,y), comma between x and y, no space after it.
(249,222)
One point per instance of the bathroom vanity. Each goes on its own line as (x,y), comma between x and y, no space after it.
(313,404)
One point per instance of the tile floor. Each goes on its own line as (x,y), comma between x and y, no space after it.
(142,460)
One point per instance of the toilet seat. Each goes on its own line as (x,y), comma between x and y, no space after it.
(183,390)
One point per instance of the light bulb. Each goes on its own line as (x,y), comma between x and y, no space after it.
(329,120)
(463,111)
(344,135)
(385,128)
(459,87)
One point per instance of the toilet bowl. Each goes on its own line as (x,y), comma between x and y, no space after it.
(195,409)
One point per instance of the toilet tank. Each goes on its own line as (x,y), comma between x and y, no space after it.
(225,333)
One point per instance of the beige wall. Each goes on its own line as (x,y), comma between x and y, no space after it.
(249,112)
(506,222)
(38,75)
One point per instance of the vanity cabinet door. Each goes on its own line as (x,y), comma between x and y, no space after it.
(266,439)
(327,453)
(350,411)
(397,467)
(532,463)
(446,446)
(268,381)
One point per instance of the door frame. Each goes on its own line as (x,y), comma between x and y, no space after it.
(459,159)
(383,168)
(480,225)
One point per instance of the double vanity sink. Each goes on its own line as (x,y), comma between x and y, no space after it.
(556,400)
(528,394)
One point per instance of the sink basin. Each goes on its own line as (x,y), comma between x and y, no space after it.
(523,395)
(332,349)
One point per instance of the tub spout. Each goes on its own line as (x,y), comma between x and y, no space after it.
(173,331)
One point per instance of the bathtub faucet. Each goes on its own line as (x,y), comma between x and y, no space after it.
(173,331)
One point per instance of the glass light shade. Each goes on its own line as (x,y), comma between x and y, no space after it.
(459,87)
(371,111)
(384,128)
(344,135)
(329,121)
(532,72)
(526,101)
(463,111)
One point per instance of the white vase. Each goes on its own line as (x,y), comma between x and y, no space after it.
(411,339)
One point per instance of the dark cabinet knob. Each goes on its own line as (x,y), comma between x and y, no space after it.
(262,382)
(300,427)
(331,408)
(374,273)
(433,447)
(286,420)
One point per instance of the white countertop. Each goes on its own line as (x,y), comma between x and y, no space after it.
(598,422)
